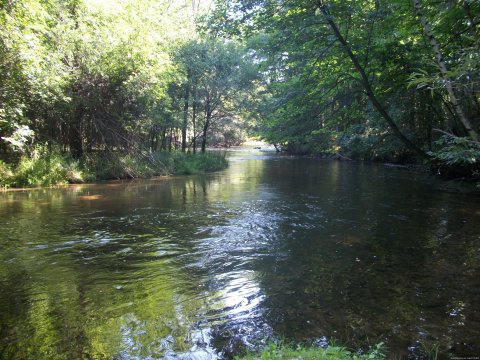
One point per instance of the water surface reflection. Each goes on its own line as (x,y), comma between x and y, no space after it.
(203,266)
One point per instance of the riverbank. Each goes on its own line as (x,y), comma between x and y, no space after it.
(52,168)
(463,180)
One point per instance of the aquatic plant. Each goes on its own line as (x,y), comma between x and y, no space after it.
(331,352)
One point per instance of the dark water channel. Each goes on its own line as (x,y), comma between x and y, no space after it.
(201,267)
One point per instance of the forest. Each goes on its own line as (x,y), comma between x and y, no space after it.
(353,235)
(86,84)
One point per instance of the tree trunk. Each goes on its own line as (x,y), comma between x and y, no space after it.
(164,139)
(170,140)
(185,115)
(75,139)
(208,116)
(204,138)
(153,138)
(443,70)
(194,119)
(204,135)
(366,82)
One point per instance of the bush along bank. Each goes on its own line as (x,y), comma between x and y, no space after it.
(49,168)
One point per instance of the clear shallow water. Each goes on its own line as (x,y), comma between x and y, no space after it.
(202,267)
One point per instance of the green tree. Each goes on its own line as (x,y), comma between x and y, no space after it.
(218,73)
(358,77)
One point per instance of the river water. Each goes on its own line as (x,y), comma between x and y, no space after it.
(204,267)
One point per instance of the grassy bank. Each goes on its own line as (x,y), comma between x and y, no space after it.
(44,168)
(281,352)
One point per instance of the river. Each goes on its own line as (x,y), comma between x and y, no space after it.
(204,267)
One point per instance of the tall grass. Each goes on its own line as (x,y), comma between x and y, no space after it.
(41,168)
(46,168)
(180,163)
(113,166)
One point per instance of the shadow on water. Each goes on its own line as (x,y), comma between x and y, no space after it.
(205,266)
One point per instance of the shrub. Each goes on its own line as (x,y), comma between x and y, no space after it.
(457,151)
(5,175)
(44,168)
(361,142)
(457,156)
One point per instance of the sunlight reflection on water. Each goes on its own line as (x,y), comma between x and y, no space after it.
(201,267)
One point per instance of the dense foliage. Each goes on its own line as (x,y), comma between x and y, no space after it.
(86,77)
(370,79)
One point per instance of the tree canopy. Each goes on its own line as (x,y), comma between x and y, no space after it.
(373,79)
(90,75)
(370,79)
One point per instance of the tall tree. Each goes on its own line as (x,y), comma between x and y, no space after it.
(217,74)
(348,76)
(366,81)
(443,67)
